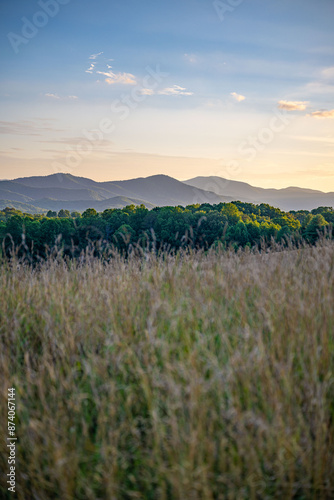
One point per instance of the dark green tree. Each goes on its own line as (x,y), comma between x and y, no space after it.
(51,214)
(64,214)
(315,228)
(89,213)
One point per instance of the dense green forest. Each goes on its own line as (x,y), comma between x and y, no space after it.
(198,226)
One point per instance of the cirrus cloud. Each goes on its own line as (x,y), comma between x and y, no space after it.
(175,90)
(322,114)
(95,56)
(293,105)
(120,78)
(56,96)
(91,68)
(35,127)
(147,91)
(52,96)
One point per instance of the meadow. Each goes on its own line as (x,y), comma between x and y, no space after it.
(186,376)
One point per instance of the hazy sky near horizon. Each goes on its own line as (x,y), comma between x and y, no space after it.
(242,89)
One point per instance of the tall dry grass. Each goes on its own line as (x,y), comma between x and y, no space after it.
(199,376)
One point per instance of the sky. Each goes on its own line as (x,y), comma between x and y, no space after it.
(112,90)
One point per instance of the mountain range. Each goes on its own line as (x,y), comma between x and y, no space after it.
(53,192)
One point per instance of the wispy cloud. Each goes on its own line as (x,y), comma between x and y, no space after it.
(175,90)
(147,92)
(329,140)
(293,105)
(52,96)
(323,170)
(7,128)
(27,127)
(91,68)
(112,78)
(322,114)
(57,97)
(121,78)
(238,97)
(75,141)
(95,56)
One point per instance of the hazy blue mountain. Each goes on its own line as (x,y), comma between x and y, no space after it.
(291,198)
(6,194)
(64,182)
(60,180)
(57,191)
(20,192)
(164,190)
(78,193)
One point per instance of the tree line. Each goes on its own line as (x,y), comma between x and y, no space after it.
(235,224)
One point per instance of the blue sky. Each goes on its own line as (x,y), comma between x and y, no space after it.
(109,90)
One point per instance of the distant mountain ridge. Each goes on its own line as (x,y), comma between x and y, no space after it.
(67,191)
(57,191)
(290,198)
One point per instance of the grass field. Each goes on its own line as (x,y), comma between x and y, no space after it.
(197,376)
